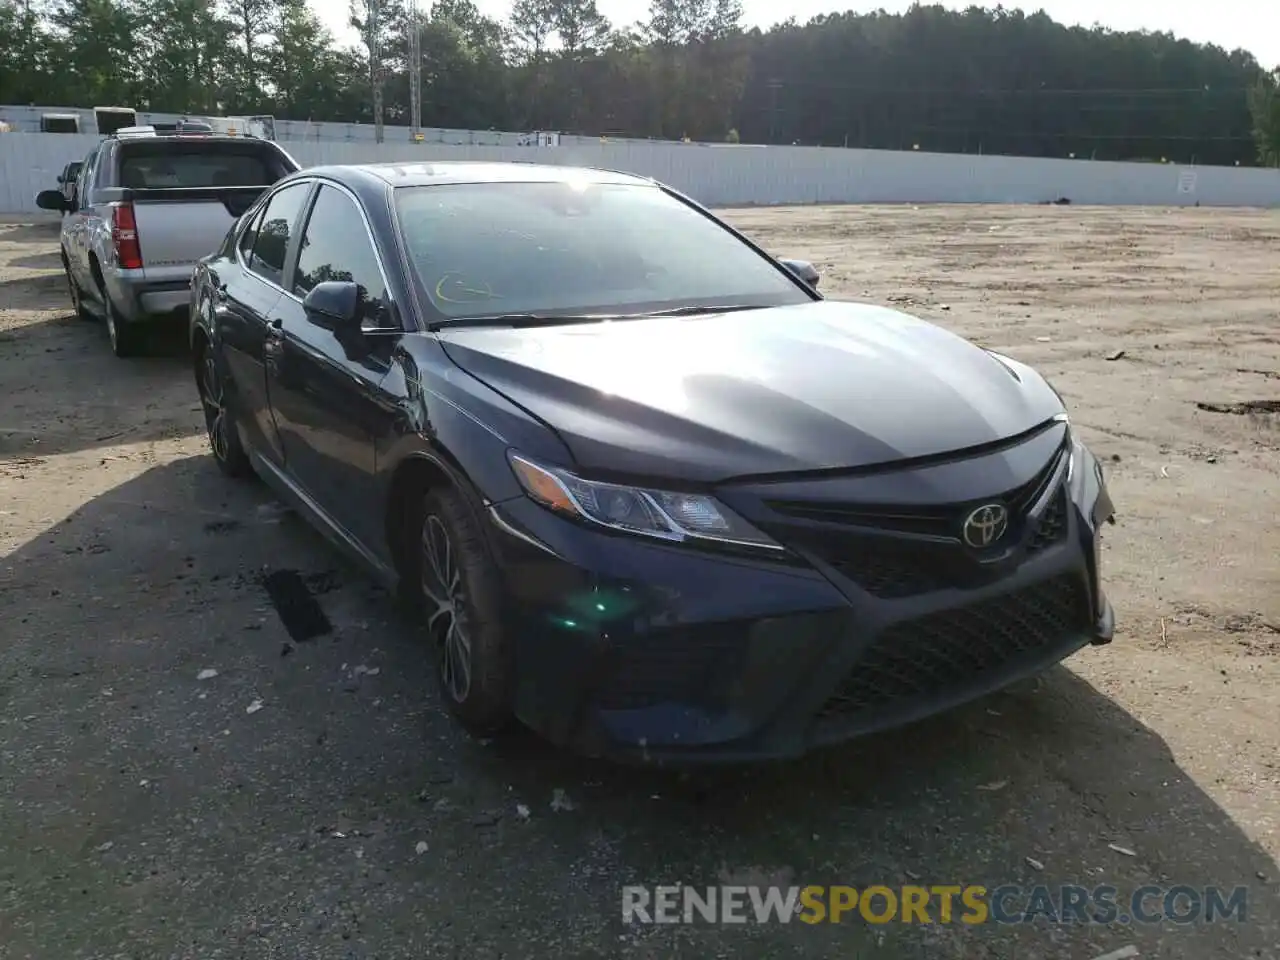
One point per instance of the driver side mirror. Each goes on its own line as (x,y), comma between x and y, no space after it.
(52,200)
(334,305)
(805,270)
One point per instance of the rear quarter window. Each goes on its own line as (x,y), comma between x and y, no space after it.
(161,166)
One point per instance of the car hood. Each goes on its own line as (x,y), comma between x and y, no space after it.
(818,386)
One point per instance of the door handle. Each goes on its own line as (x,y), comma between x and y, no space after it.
(273,339)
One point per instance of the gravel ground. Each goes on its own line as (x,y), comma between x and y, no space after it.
(146,812)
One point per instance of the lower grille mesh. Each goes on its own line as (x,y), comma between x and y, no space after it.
(1052,525)
(941,654)
(675,666)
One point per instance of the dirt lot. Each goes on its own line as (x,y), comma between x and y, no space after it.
(145,812)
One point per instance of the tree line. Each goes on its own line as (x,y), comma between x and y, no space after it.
(991,81)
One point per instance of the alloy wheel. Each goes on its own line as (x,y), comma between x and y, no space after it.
(447,622)
(212,396)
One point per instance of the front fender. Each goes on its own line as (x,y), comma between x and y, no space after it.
(449,416)
(197,323)
(1088,490)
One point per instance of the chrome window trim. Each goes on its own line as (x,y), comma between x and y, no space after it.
(275,191)
(368,231)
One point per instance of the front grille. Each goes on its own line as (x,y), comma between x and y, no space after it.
(939,655)
(940,520)
(895,567)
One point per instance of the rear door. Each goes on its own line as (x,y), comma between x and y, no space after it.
(324,389)
(246,301)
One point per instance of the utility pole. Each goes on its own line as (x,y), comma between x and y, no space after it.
(415,71)
(373,35)
(774,87)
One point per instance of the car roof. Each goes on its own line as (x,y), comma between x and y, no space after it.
(197,138)
(419,173)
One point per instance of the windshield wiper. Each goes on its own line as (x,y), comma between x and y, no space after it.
(535,319)
(692,311)
(515,320)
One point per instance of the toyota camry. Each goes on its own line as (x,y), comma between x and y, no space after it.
(647,490)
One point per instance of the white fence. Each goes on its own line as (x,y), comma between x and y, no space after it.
(26,119)
(739,175)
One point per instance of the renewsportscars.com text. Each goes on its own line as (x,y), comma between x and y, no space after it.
(965,904)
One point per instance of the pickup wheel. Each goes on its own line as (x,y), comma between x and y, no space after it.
(127,339)
(77,304)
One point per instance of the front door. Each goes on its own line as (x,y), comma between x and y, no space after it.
(324,386)
(76,228)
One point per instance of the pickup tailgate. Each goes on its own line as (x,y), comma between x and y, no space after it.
(187,192)
(178,226)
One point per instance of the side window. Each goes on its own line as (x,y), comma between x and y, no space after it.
(83,181)
(336,246)
(248,235)
(271,239)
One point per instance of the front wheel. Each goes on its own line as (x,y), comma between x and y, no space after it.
(77,303)
(461,603)
(224,439)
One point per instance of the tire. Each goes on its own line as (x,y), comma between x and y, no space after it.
(224,439)
(77,303)
(127,339)
(459,589)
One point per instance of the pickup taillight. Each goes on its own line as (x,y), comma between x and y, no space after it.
(124,234)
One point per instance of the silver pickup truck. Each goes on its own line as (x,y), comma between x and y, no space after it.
(144,209)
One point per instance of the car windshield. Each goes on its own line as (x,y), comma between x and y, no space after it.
(577,248)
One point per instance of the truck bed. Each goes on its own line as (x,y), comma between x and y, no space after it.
(179,225)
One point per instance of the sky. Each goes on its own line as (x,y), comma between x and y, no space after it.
(1251,24)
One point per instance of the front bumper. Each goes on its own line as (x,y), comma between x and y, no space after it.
(636,650)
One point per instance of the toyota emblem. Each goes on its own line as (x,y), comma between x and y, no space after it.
(985,525)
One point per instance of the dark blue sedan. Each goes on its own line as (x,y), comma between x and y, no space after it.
(650,492)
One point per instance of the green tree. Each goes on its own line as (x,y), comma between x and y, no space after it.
(974,80)
(186,57)
(27,64)
(251,25)
(309,79)
(581,27)
(382,29)
(464,68)
(1264,107)
(97,52)
(531,25)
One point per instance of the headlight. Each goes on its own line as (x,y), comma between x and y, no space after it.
(661,514)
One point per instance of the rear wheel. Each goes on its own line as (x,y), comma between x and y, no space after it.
(461,597)
(127,339)
(224,439)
